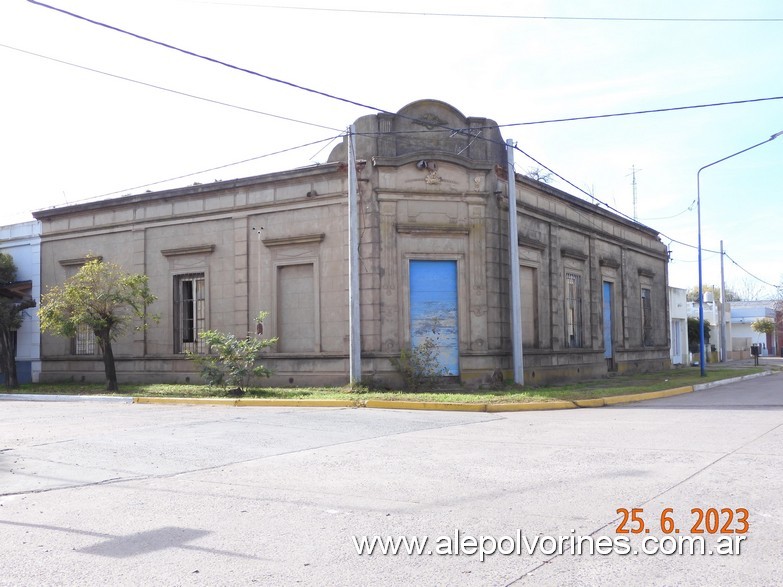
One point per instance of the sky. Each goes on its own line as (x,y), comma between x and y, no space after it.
(90,113)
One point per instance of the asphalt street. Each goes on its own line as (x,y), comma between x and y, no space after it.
(112,493)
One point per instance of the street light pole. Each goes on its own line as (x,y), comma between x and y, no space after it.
(702,354)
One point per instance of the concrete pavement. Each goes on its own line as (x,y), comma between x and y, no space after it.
(94,493)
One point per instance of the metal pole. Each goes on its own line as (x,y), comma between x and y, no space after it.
(259,325)
(702,357)
(722,309)
(354,317)
(698,215)
(513,249)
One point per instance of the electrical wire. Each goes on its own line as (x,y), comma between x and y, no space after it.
(177,92)
(138,187)
(495,16)
(637,112)
(688,209)
(750,274)
(345,100)
(207,58)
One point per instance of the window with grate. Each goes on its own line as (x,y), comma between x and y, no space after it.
(189,313)
(84,341)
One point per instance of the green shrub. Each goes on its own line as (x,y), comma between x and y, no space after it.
(419,365)
(232,362)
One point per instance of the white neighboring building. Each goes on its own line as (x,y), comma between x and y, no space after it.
(712,312)
(743,314)
(23,242)
(678,325)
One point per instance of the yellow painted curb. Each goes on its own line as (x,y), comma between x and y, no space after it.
(201,401)
(406,405)
(637,397)
(533,406)
(590,403)
(299,403)
(412,405)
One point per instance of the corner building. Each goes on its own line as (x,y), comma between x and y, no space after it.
(434,261)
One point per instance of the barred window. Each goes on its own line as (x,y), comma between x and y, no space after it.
(84,341)
(189,313)
(573,309)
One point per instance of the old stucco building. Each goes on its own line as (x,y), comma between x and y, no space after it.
(433,261)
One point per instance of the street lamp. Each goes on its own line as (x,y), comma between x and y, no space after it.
(702,354)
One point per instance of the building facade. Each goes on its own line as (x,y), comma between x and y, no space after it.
(678,327)
(23,242)
(433,261)
(743,314)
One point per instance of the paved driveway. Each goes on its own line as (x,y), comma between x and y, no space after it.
(98,493)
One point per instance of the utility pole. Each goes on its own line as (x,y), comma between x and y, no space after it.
(722,309)
(354,318)
(513,250)
(259,325)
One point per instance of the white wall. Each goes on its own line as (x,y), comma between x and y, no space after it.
(23,242)
(678,326)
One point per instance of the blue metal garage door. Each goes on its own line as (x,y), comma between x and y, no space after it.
(433,287)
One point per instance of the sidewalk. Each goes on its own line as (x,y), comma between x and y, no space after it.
(772,363)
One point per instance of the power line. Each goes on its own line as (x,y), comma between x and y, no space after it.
(593,116)
(146,185)
(207,58)
(250,71)
(749,273)
(688,209)
(338,98)
(497,16)
(177,92)
(635,112)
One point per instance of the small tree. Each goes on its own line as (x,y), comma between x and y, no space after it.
(693,334)
(102,297)
(235,360)
(12,309)
(763,326)
(692,294)
(539,174)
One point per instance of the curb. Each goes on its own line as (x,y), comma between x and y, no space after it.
(409,405)
(217,401)
(531,407)
(390,404)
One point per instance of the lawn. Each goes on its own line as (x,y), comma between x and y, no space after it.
(615,385)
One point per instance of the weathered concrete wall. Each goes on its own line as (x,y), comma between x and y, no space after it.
(278,243)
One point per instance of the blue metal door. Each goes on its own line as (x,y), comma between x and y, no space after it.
(608,350)
(433,287)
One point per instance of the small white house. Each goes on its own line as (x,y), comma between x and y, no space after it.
(23,242)
(678,325)
(743,314)
(712,315)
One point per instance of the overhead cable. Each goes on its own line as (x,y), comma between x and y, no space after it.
(779,286)
(177,92)
(496,16)
(146,185)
